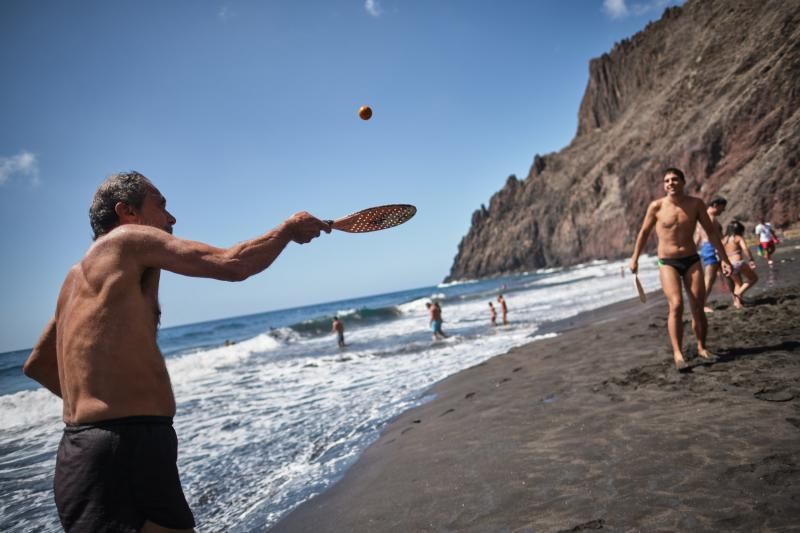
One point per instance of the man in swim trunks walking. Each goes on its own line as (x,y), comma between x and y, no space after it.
(116,463)
(707,253)
(674,218)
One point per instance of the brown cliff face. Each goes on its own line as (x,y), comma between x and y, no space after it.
(712,88)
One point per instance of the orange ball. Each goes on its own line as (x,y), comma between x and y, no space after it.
(365,112)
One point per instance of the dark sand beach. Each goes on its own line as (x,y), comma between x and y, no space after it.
(595,429)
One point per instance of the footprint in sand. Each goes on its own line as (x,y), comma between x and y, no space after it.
(774,395)
(409,428)
(469,395)
(594,524)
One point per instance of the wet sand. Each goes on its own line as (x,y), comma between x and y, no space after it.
(595,429)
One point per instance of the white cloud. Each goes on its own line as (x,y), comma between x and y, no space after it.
(22,164)
(618,8)
(373,8)
(225,13)
(615,8)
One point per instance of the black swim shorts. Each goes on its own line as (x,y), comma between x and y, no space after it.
(115,474)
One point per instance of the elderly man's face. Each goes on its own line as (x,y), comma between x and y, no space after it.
(154,211)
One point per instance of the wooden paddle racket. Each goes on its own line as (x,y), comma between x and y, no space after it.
(639,288)
(374,218)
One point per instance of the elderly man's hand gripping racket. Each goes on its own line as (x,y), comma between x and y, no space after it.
(374,218)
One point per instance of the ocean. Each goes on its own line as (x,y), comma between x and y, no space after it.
(271,412)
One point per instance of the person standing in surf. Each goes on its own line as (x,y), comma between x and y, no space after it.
(116,464)
(338,328)
(503,308)
(492,314)
(674,218)
(435,322)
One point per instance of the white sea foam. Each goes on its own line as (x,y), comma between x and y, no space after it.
(28,408)
(457,283)
(416,307)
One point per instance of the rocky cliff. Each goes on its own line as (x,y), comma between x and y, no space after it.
(713,87)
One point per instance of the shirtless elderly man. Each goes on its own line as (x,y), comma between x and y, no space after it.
(674,218)
(116,463)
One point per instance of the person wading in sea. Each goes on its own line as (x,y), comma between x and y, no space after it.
(338,328)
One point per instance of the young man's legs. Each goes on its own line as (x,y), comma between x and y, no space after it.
(695,289)
(671,285)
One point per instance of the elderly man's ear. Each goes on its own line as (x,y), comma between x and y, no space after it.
(125,213)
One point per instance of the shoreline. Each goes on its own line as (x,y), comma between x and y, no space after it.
(594,428)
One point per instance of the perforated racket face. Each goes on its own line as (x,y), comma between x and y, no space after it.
(376,218)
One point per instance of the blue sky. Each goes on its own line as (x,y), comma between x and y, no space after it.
(243,112)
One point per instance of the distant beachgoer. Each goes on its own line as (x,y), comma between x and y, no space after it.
(492,314)
(503,308)
(766,240)
(338,328)
(743,274)
(116,465)
(674,218)
(622,272)
(707,253)
(435,322)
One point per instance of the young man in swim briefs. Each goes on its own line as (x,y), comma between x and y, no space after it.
(674,218)
(706,250)
(116,463)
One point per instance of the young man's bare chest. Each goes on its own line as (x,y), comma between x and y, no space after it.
(675,217)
